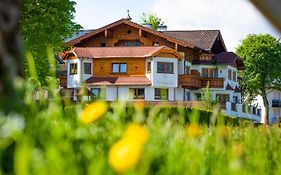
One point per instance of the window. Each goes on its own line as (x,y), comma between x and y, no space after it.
(98,93)
(222,98)
(229,74)
(210,72)
(187,70)
(137,93)
(276,103)
(161,94)
(87,68)
(148,67)
(164,67)
(102,44)
(234,76)
(197,96)
(119,67)
(155,44)
(73,68)
(132,43)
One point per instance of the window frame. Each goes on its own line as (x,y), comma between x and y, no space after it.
(100,94)
(135,95)
(84,70)
(234,76)
(119,68)
(148,68)
(73,66)
(229,76)
(158,95)
(165,67)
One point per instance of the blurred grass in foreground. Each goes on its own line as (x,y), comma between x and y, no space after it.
(47,138)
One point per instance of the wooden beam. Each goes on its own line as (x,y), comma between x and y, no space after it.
(140,32)
(176,46)
(105,33)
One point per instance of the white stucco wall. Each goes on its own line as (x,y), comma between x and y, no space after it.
(179,94)
(274,112)
(74,81)
(111,93)
(162,79)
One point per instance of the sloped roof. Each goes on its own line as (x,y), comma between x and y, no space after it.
(102,81)
(130,23)
(229,58)
(201,38)
(121,52)
(228,87)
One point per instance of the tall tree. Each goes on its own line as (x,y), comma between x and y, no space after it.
(152,19)
(262,58)
(10,59)
(45,24)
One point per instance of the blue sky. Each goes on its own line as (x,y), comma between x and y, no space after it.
(234,18)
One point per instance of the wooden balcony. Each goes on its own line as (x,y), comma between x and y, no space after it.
(190,81)
(213,82)
(63,81)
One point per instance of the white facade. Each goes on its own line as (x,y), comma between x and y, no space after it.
(74,80)
(164,79)
(168,82)
(274,111)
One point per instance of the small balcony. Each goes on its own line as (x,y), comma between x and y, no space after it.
(63,81)
(213,82)
(190,81)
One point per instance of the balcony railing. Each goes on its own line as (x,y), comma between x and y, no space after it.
(63,81)
(213,82)
(190,81)
(194,81)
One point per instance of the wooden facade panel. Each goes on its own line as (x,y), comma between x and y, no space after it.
(103,67)
(123,32)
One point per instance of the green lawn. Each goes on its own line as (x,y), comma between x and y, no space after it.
(48,139)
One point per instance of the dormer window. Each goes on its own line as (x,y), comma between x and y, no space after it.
(73,68)
(155,44)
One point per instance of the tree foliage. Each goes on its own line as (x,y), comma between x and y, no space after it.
(262,58)
(152,19)
(45,24)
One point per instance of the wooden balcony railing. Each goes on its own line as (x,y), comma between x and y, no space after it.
(63,81)
(194,81)
(190,81)
(213,82)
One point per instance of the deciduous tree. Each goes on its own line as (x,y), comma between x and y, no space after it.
(262,58)
(45,24)
(152,19)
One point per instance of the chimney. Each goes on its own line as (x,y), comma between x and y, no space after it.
(147,25)
(162,28)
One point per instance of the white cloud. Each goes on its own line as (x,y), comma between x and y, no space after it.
(234,18)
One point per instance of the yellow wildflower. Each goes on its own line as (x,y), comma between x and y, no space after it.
(237,150)
(124,155)
(93,112)
(136,133)
(139,105)
(193,130)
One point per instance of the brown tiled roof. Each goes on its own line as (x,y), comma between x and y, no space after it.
(121,52)
(229,58)
(201,38)
(130,23)
(228,87)
(105,81)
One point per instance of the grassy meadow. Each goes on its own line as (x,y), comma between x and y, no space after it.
(50,137)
